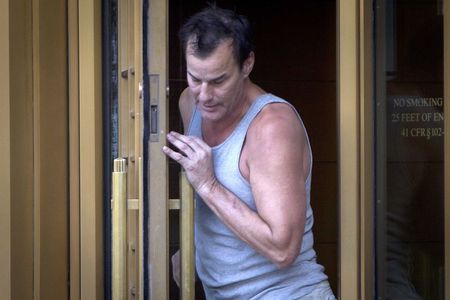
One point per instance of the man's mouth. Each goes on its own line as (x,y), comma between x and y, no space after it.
(209,107)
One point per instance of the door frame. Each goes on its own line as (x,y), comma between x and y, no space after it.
(355,152)
(446,37)
(85,156)
(355,115)
(157,188)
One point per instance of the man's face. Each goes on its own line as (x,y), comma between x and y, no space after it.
(215,82)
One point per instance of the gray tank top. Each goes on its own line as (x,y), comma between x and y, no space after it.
(228,267)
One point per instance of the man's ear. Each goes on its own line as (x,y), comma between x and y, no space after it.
(247,67)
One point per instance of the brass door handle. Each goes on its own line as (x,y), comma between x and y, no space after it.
(120,205)
(119,229)
(187,251)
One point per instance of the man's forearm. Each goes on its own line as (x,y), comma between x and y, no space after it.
(248,225)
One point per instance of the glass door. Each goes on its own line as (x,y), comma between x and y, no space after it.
(409,150)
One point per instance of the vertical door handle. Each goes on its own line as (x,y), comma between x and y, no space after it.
(119,229)
(120,205)
(187,239)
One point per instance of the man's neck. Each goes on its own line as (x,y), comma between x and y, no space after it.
(215,132)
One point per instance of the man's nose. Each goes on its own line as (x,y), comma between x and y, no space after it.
(205,92)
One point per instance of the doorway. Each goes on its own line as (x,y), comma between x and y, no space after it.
(296,50)
(295,47)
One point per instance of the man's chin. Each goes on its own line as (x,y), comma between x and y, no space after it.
(210,115)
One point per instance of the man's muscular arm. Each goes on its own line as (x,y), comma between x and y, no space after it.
(186,107)
(276,167)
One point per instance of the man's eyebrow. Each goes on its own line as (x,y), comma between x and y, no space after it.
(190,74)
(218,78)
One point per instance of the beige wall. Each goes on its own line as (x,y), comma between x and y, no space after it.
(51,153)
(34,139)
(22,150)
(50,149)
(5,153)
(91,185)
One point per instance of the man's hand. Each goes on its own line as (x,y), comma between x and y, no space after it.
(196,158)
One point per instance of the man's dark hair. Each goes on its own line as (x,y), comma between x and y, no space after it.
(204,31)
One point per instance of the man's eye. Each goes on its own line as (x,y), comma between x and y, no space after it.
(216,82)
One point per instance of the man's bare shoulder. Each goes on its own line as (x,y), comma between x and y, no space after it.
(186,105)
(277,132)
(276,145)
(275,121)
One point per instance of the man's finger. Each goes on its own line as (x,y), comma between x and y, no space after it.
(184,145)
(193,141)
(174,155)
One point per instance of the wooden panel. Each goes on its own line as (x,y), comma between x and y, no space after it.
(91,185)
(5,154)
(139,260)
(348,115)
(51,106)
(74,150)
(21,150)
(130,131)
(158,214)
(38,158)
(36,152)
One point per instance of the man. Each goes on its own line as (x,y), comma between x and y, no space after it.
(247,155)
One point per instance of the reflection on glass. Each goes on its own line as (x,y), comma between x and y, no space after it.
(409,149)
